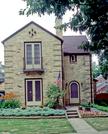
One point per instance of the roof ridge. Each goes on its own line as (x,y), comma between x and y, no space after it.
(74,35)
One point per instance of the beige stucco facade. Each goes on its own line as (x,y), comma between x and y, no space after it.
(54,62)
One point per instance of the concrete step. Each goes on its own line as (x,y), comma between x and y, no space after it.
(73,116)
(71,110)
(71,113)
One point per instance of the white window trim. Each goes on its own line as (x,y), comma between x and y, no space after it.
(33,65)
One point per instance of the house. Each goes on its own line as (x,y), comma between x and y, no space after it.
(1,79)
(1,73)
(34,57)
(101,85)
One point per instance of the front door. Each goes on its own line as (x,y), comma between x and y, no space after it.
(33,92)
(74,93)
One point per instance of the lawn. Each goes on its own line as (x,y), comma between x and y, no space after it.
(38,126)
(99,124)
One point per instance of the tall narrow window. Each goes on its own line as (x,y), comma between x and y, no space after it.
(37,91)
(29,54)
(29,91)
(32,55)
(73,58)
(36,54)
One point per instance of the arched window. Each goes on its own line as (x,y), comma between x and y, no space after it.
(74,90)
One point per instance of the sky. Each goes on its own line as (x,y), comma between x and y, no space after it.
(11,21)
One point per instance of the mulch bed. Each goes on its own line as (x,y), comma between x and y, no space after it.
(91,114)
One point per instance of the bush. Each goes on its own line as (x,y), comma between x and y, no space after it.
(101,102)
(86,105)
(54,94)
(102,108)
(10,104)
(31,112)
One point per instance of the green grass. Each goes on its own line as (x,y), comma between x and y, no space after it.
(100,124)
(36,126)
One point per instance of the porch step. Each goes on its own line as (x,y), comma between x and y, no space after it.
(72,114)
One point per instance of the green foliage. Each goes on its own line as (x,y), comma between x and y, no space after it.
(103,62)
(34,111)
(86,105)
(102,108)
(10,104)
(90,16)
(96,70)
(54,93)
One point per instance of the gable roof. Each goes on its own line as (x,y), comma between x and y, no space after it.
(32,22)
(71,44)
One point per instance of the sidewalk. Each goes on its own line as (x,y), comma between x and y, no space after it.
(83,128)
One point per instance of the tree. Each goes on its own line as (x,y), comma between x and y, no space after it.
(103,62)
(89,15)
(96,70)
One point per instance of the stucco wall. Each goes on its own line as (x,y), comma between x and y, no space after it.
(14,60)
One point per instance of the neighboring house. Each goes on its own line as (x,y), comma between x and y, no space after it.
(34,58)
(1,73)
(101,85)
(1,79)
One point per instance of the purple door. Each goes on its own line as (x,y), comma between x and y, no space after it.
(29,91)
(33,92)
(74,90)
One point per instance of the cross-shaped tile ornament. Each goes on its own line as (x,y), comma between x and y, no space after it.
(32,32)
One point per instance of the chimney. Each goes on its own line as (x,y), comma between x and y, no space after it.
(58,22)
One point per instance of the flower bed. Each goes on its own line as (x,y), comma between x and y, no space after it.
(86,114)
(36,111)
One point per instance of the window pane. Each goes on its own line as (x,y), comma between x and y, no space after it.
(37,91)
(29,54)
(29,91)
(36,54)
(73,58)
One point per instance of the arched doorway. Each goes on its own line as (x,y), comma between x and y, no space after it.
(74,92)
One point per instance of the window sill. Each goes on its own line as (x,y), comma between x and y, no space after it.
(37,70)
(73,62)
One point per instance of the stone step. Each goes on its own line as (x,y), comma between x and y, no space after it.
(71,110)
(72,113)
(73,116)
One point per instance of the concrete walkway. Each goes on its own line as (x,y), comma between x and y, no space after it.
(83,128)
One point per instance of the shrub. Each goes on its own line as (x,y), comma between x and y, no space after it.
(86,105)
(9,101)
(31,112)
(9,96)
(10,104)
(102,108)
(101,102)
(54,94)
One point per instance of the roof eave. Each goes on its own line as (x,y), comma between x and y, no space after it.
(32,22)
